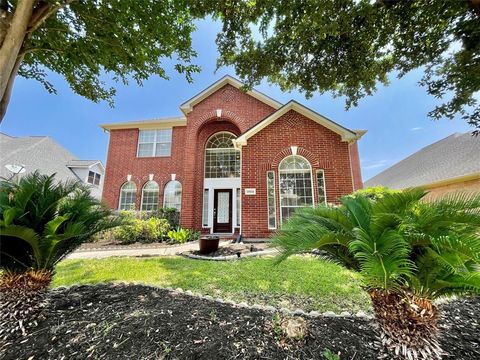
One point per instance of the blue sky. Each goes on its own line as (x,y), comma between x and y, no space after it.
(395,116)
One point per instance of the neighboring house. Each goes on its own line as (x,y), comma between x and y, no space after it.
(234,162)
(42,153)
(449,165)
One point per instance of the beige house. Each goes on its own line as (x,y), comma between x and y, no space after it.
(449,165)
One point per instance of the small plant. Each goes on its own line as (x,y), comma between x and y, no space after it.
(181,235)
(329,355)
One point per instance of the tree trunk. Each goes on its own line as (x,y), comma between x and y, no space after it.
(408,324)
(23,298)
(11,47)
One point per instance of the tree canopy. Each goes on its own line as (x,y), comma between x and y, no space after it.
(349,47)
(346,47)
(87,41)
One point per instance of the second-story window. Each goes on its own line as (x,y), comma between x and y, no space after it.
(93,178)
(154,143)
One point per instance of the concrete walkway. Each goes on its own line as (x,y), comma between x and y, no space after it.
(140,251)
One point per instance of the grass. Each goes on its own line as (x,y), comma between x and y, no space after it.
(299,282)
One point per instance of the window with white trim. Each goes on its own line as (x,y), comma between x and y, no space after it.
(172,196)
(222,160)
(154,143)
(128,193)
(150,196)
(322,194)
(295,185)
(205,208)
(272,212)
(93,178)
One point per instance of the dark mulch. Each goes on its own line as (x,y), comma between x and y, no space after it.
(141,322)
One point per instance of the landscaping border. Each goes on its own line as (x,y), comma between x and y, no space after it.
(243,304)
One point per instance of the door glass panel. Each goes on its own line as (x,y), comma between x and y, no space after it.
(223,211)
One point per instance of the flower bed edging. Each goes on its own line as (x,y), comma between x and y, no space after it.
(242,304)
(232,257)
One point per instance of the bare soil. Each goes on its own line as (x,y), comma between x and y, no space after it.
(141,322)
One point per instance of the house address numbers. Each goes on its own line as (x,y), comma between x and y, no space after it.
(251,191)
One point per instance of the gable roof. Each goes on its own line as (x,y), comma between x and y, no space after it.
(188,105)
(84,163)
(454,157)
(346,134)
(40,153)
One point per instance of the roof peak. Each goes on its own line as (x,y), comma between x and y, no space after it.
(188,105)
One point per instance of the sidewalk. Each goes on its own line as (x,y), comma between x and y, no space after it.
(139,251)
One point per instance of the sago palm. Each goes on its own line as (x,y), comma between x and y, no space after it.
(408,251)
(41,221)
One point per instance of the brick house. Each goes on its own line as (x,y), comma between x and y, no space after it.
(234,162)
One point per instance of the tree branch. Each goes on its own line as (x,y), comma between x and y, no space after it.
(43,12)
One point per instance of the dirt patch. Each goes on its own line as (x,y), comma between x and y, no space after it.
(141,322)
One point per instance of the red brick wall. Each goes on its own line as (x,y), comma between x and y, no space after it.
(264,151)
(355,161)
(322,147)
(122,160)
(239,109)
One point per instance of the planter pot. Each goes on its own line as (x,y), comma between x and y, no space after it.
(209,244)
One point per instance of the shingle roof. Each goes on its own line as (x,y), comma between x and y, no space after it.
(40,153)
(454,156)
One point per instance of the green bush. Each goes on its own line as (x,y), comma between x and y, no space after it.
(181,235)
(129,233)
(154,229)
(373,193)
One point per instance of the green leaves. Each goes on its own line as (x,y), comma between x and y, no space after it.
(350,47)
(88,42)
(43,220)
(397,242)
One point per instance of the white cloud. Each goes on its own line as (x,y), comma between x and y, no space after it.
(416,128)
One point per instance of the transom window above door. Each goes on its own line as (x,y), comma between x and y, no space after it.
(222,160)
(154,143)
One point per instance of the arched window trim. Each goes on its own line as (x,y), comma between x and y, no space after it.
(143,194)
(133,190)
(310,169)
(174,182)
(207,148)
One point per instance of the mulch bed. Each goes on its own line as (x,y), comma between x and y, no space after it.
(230,250)
(141,322)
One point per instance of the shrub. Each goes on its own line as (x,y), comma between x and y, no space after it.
(129,233)
(181,235)
(408,251)
(373,193)
(171,214)
(41,221)
(154,229)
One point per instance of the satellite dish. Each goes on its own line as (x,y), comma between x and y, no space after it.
(16,169)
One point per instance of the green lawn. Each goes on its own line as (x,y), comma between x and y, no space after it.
(298,282)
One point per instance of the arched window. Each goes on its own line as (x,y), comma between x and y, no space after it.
(128,193)
(222,160)
(150,196)
(172,197)
(295,183)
